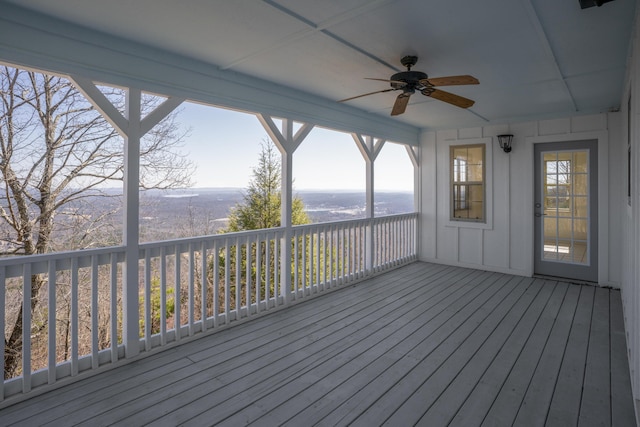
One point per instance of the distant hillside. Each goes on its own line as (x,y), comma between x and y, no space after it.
(209,207)
(170,214)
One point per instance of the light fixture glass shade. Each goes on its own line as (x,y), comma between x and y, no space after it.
(505,142)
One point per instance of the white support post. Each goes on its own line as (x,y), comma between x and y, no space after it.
(132,127)
(286,221)
(414,155)
(130,292)
(286,150)
(287,144)
(369,148)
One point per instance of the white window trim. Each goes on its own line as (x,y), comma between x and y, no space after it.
(488,176)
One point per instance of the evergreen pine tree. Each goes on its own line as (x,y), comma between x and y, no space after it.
(262,200)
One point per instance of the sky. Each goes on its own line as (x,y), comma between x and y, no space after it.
(224,146)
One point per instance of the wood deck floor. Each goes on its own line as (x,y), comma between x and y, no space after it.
(422,345)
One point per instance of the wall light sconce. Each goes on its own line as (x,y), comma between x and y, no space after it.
(505,142)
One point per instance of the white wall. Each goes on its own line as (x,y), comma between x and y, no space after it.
(505,242)
(629,215)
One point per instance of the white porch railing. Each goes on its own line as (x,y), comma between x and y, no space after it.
(186,287)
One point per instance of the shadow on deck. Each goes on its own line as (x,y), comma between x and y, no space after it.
(424,344)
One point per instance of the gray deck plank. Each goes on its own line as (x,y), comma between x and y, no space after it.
(403,360)
(431,404)
(279,353)
(111,383)
(353,346)
(595,408)
(230,369)
(477,403)
(565,403)
(448,403)
(346,401)
(507,403)
(102,386)
(447,412)
(427,366)
(537,399)
(351,300)
(426,344)
(342,383)
(347,379)
(622,413)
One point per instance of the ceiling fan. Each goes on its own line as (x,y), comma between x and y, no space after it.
(411,81)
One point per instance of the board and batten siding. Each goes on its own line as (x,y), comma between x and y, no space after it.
(630,210)
(505,243)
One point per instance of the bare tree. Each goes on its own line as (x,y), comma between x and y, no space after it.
(56,154)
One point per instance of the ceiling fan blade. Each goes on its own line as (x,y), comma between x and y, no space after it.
(450,81)
(449,98)
(387,80)
(401,104)
(367,94)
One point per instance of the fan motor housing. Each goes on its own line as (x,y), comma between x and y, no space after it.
(407,78)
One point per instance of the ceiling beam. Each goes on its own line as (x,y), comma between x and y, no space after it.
(314,28)
(548,49)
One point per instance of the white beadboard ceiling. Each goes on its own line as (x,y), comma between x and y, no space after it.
(534,58)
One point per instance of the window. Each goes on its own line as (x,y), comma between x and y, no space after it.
(468,183)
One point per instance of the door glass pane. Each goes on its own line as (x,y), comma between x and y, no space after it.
(580,206)
(551,203)
(550,251)
(565,251)
(580,229)
(580,252)
(580,161)
(549,156)
(564,228)
(550,241)
(580,182)
(565,212)
(566,197)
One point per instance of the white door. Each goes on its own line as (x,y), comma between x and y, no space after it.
(566,210)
